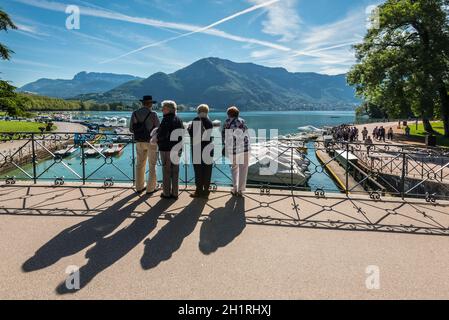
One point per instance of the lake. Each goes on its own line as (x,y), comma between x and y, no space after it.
(121,169)
(285,121)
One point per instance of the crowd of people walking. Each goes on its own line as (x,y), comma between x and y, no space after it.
(351,134)
(164,139)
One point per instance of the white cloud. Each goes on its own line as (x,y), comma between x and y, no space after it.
(282,20)
(323,48)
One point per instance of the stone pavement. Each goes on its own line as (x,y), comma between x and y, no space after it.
(277,246)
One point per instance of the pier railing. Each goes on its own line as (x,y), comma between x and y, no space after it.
(321,167)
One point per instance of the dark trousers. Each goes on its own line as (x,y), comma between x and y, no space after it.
(170,172)
(203,174)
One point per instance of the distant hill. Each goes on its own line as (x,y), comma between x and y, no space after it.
(221,83)
(82,83)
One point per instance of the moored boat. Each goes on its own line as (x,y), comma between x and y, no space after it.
(93,151)
(113,150)
(273,163)
(66,151)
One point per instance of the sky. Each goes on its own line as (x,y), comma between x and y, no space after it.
(142,37)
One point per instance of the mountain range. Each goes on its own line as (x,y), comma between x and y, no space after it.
(216,82)
(82,83)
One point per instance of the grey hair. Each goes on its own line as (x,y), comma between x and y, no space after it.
(203,108)
(170,105)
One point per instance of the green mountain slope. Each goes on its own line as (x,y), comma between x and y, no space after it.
(221,83)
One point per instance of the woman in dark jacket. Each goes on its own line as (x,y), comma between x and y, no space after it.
(169,139)
(200,131)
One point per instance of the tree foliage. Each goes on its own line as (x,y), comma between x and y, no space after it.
(5,24)
(403,63)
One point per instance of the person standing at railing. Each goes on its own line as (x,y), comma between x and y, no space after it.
(364,133)
(169,139)
(382,133)
(236,148)
(143,122)
(369,144)
(390,134)
(200,131)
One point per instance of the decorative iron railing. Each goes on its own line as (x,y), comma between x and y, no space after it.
(321,166)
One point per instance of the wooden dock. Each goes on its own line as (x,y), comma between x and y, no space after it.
(338,173)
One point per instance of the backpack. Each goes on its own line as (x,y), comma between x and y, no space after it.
(141,133)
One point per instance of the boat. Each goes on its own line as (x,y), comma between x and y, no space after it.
(122,122)
(113,150)
(216,123)
(122,139)
(310,129)
(272,163)
(93,151)
(66,151)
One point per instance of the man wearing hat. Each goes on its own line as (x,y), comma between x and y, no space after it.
(143,122)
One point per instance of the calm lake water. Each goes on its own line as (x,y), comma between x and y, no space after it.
(121,168)
(285,121)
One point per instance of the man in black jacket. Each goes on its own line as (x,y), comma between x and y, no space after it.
(169,139)
(200,131)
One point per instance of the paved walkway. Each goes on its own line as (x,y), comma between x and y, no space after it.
(263,246)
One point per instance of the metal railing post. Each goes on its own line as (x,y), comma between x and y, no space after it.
(83,160)
(34,158)
(133,160)
(347,169)
(404,160)
(185,165)
(291,170)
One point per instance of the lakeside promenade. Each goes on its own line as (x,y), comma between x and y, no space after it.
(281,246)
(9,147)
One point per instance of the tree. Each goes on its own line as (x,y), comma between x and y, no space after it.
(8,98)
(403,63)
(5,24)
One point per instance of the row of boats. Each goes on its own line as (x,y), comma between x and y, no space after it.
(277,162)
(270,162)
(95,150)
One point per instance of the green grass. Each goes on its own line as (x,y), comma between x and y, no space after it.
(437,126)
(20,126)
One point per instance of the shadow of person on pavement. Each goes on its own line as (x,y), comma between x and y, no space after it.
(109,250)
(80,236)
(223,226)
(170,237)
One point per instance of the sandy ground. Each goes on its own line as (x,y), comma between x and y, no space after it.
(387,125)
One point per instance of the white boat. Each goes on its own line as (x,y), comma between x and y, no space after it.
(122,139)
(216,123)
(113,150)
(122,122)
(270,162)
(310,129)
(66,151)
(93,152)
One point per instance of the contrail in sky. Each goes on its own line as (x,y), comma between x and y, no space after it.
(199,30)
(190,29)
(107,14)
